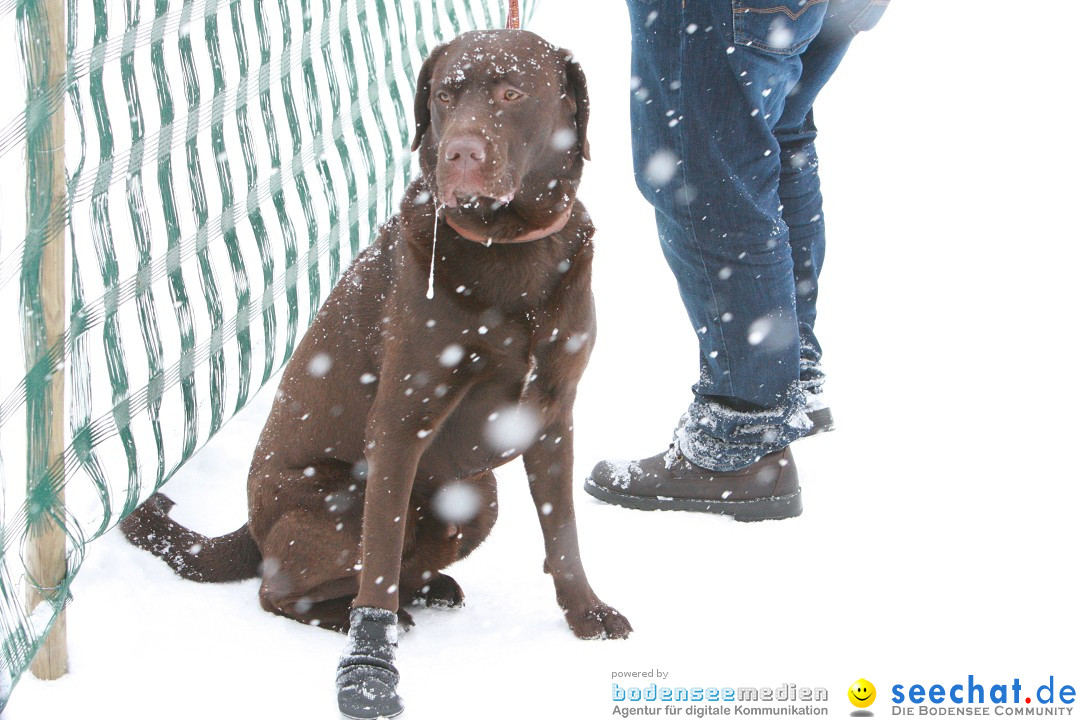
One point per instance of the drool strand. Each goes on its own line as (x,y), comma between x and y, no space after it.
(431,275)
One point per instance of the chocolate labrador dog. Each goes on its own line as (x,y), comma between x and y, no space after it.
(451,346)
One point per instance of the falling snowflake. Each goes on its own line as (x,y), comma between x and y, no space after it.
(780,34)
(456,502)
(661,168)
(512,428)
(320,365)
(759,330)
(451,355)
(563,139)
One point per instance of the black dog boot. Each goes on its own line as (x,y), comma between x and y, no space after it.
(366,677)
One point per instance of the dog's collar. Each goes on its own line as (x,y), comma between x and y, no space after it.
(556,226)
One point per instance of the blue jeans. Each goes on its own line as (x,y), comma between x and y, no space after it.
(722,101)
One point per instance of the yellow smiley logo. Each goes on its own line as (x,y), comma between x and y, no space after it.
(862,693)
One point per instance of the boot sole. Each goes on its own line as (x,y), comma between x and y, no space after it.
(822,421)
(779,507)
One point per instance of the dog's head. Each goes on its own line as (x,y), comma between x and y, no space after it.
(501,120)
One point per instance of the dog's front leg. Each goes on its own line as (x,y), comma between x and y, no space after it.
(550,466)
(399,429)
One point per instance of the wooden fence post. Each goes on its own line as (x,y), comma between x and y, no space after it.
(47,556)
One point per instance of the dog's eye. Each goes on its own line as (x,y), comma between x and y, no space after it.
(513,95)
(443,96)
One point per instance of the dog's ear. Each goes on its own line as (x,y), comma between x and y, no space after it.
(421,108)
(580,94)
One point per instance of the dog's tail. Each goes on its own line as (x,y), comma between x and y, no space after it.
(193,556)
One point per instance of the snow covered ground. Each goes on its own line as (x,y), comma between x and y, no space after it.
(939,538)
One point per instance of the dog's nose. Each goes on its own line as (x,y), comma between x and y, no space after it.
(465,149)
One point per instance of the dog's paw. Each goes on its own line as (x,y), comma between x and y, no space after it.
(138,525)
(441,591)
(160,503)
(600,622)
(405,621)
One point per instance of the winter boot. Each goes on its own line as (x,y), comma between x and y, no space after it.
(766,490)
(817,409)
(812,382)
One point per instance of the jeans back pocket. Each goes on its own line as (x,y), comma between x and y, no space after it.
(869,16)
(783,27)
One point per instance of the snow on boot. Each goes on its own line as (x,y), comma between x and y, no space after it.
(812,383)
(817,409)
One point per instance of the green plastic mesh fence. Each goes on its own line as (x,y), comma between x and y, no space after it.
(223,162)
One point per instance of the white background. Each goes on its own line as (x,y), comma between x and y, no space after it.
(939,536)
